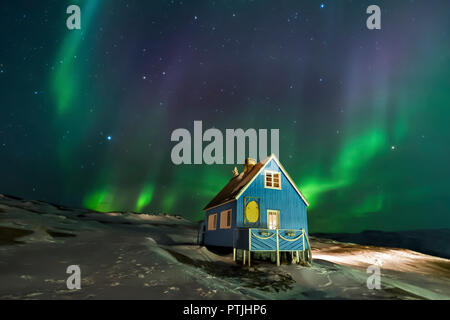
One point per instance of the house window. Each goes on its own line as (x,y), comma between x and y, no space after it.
(225,219)
(212,222)
(272,180)
(273,219)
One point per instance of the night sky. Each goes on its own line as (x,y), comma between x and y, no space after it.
(364,116)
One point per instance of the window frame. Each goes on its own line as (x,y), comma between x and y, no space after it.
(272,173)
(226,213)
(214,217)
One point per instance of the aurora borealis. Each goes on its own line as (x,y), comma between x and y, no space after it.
(86,116)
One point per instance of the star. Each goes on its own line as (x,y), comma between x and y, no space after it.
(109,138)
(322,5)
(393,148)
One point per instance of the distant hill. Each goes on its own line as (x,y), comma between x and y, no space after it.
(433,242)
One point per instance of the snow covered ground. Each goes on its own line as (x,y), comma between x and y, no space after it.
(432,242)
(131,256)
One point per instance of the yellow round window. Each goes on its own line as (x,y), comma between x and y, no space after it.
(252,212)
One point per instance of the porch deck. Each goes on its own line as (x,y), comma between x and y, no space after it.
(267,240)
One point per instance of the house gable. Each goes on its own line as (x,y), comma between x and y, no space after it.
(286,200)
(272,164)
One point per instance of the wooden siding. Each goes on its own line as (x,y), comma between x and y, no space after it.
(240,238)
(291,206)
(221,237)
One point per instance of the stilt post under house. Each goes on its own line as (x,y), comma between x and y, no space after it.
(278,250)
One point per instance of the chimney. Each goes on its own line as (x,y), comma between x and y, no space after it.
(249,164)
(235,172)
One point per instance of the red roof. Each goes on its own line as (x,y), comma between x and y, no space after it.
(235,185)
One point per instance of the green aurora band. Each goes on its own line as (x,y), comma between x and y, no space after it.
(353,180)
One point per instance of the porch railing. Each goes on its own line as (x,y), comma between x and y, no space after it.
(268,240)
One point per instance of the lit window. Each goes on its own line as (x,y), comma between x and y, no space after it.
(272,180)
(225,219)
(212,222)
(273,219)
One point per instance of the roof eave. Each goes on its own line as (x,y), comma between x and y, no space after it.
(219,205)
(272,157)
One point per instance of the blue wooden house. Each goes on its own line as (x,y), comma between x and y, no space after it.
(259,210)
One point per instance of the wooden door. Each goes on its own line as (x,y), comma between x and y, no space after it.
(273,219)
